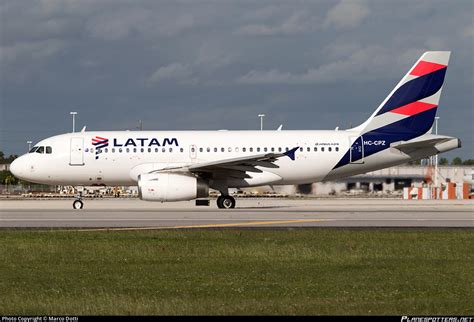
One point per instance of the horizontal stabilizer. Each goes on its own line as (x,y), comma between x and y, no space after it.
(423,142)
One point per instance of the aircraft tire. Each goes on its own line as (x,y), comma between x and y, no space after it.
(225,202)
(77,204)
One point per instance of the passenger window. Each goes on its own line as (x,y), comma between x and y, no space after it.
(181,150)
(149,149)
(301,149)
(128,150)
(308,149)
(163,150)
(156,150)
(287,149)
(329,149)
(222,149)
(40,149)
(236,149)
(279,149)
(265,149)
(273,149)
(142,150)
(258,149)
(229,149)
(244,149)
(251,149)
(120,150)
(49,150)
(200,150)
(171,149)
(106,150)
(215,149)
(134,150)
(322,149)
(337,149)
(208,149)
(113,150)
(315,149)
(193,149)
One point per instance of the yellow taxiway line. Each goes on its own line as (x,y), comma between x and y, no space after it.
(243,224)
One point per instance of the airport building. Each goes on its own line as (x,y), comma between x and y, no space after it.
(388,181)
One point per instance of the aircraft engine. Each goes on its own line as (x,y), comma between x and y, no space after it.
(171,187)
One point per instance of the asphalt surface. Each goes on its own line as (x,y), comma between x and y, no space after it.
(120,214)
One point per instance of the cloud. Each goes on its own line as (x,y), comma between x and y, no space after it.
(347,14)
(132,21)
(468,32)
(174,72)
(296,23)
(169,58)
(361,65)
(36,50)
(118,24)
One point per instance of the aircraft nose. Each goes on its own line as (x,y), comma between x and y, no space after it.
(17,167)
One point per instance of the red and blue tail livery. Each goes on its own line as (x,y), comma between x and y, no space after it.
(408,111)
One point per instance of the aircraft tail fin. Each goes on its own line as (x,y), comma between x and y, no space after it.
(411,106)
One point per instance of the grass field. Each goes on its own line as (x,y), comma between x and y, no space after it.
(320,271)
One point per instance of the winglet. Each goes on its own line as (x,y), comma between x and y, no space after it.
(291,153)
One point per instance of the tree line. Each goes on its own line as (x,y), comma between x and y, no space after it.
(7,160)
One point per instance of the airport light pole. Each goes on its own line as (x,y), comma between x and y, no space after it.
(29,145)
(436,156)
(261,116)
(73,121)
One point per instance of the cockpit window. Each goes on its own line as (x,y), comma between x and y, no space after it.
(40,149)
(33,149)
(49,150)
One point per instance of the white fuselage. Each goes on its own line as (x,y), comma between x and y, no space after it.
(75,161)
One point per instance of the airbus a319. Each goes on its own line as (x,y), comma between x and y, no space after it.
(183,165)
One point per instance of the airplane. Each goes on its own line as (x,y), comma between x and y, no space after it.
(184,165)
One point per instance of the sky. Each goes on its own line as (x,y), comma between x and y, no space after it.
(217,64)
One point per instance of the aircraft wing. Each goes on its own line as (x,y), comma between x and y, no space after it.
(234,167)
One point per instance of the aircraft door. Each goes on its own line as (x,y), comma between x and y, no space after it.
(192,152)
(357,149)
(77,151)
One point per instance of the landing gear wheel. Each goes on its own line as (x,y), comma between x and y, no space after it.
(78,204)
(225,202)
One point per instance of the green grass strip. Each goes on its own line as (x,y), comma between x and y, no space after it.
(250,272)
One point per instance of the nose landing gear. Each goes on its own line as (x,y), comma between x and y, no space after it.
(77,204)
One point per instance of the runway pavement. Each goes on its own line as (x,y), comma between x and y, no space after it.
(120,214)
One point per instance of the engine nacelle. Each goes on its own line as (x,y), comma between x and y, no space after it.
(171,187)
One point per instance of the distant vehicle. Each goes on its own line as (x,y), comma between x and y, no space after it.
(183,165)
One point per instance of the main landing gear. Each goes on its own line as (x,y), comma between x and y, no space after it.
(225,202)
